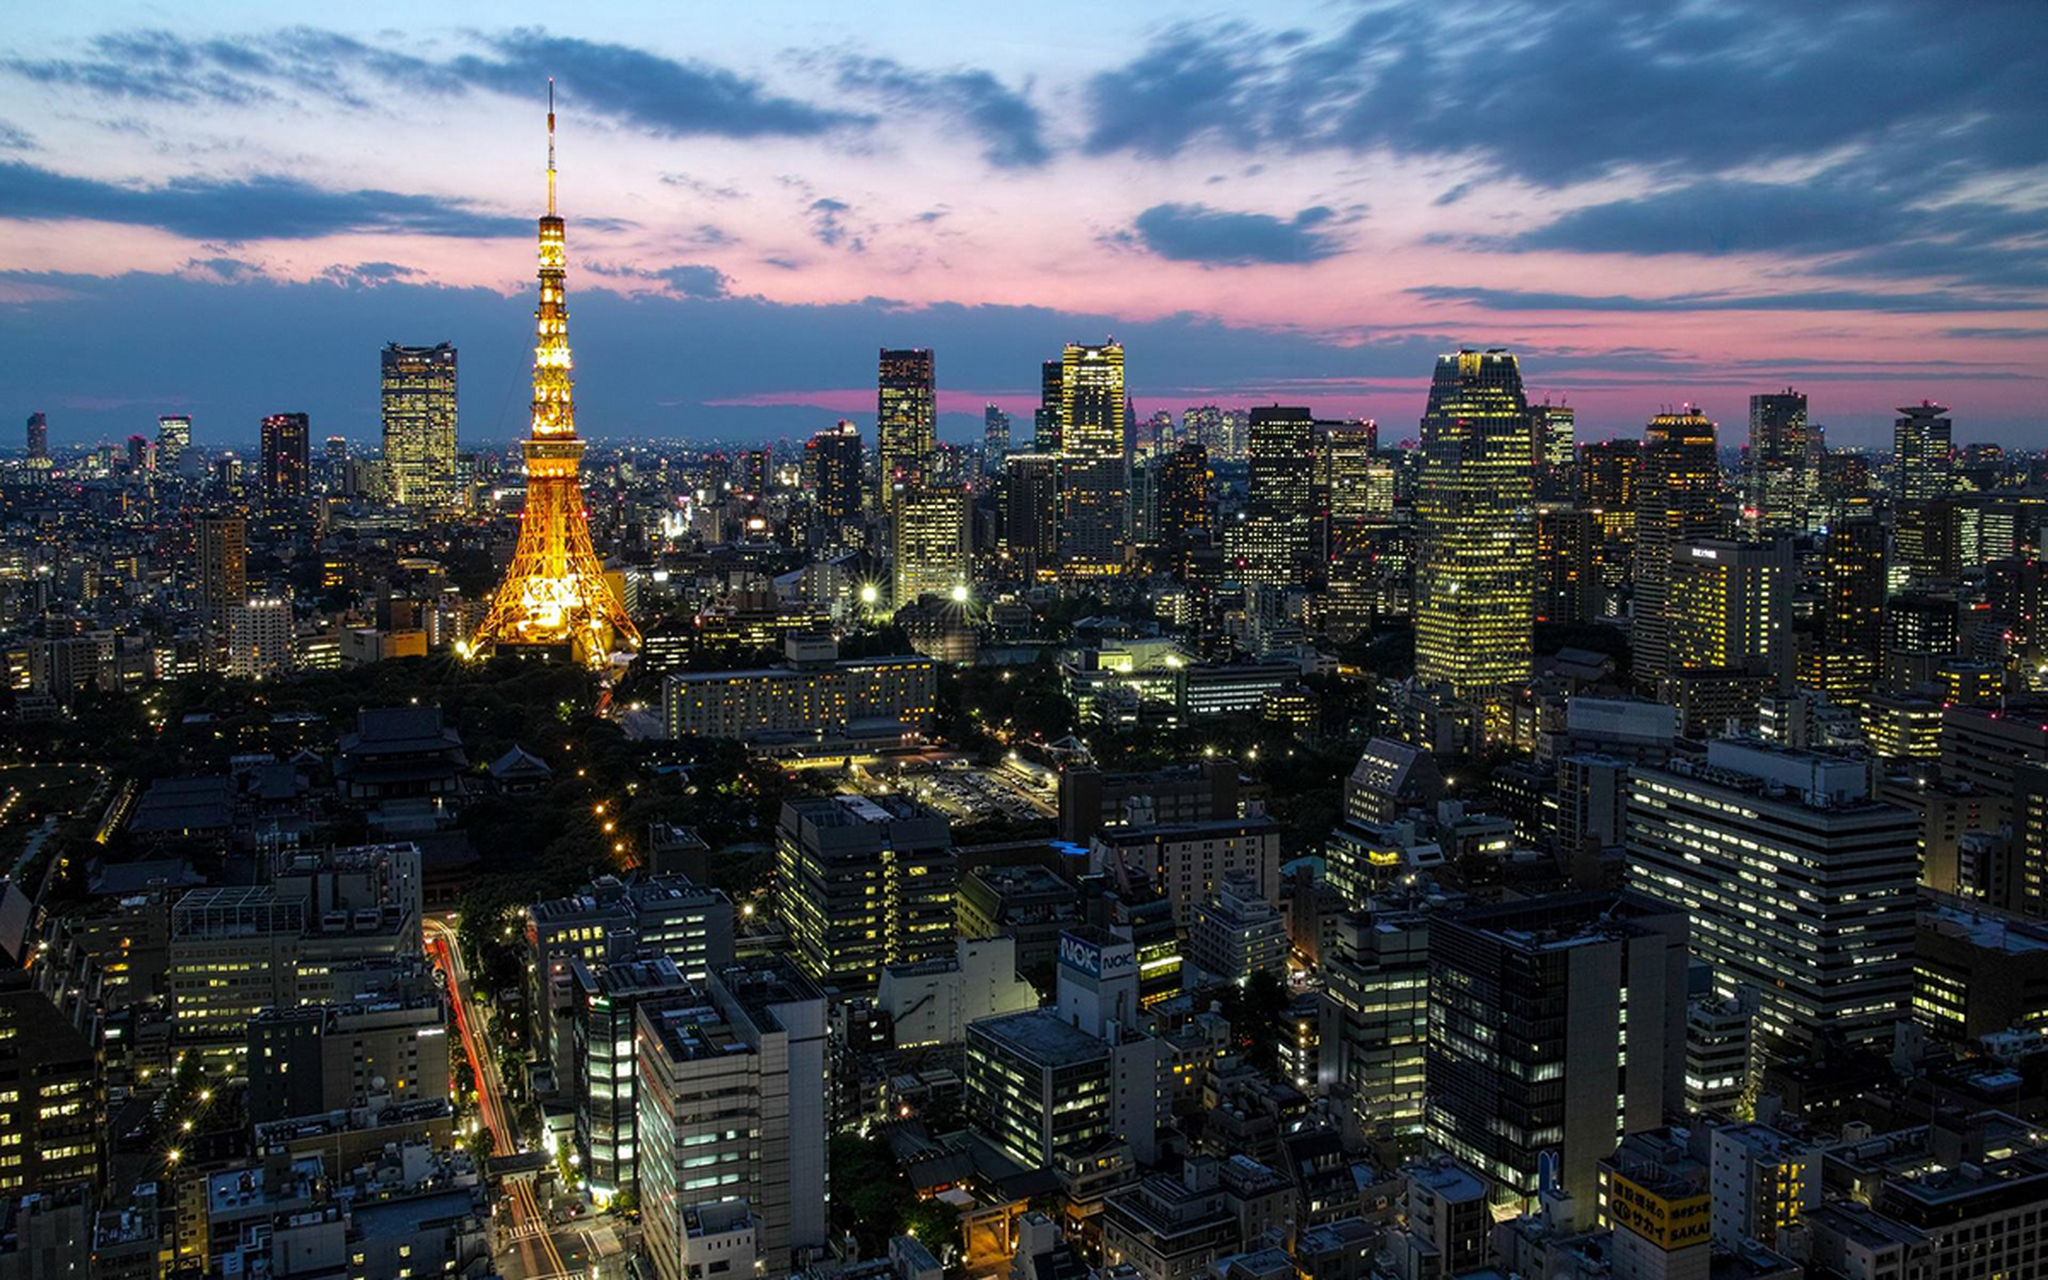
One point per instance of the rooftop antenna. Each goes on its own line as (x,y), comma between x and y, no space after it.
(551,146)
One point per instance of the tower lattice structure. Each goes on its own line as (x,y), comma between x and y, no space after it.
(554,596)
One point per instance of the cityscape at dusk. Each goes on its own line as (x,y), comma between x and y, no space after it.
(1377,641)
(1295,202)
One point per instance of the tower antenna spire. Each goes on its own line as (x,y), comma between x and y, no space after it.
(551,146)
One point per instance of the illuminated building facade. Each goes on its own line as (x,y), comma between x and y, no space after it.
(1851,650)
(287,445)
(554,598)
(1185,520)
(1923,453)
(1553,431)
(928,544)
(1031,505)
(1799,887)
(1567,588)
(864,882)
(1280,520)
(1045,421)
(1094,448)
(833,460)
(1354,488)
(38,438)
(419,423)
(995,437)
(906,422)
(1678,500)
(1475,574)
(1607,490)
(223,565)
(1784,456)
(1730,608)
(173,437)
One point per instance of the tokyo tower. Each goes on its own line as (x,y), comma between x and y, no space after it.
(554,601)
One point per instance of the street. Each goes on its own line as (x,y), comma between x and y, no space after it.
(529,1246)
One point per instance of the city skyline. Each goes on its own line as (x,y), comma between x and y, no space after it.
(754,217)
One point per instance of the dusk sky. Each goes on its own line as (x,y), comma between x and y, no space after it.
(208,212)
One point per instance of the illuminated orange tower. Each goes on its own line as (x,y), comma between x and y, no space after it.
(554,599)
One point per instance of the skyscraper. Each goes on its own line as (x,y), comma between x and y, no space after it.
(832,458)
(1607,489)
(1922,453)
(419,423)
(1031,513)
(1553,428)
(1783,460)
(223,566)
(1354,489)
(1851,612)
(928,543)
(555,597)
(1045,421)
(1678,500)
(1730,608)
(38,438)
(1095,448)
(287,456)
(995,437)
(1280,516)
(1186,521)
(906,421)
(1475,576)
(173,437)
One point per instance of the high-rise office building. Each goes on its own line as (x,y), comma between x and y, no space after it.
(1280,516)
(906,422)
(608,1000)
(863,882)
(928,544)
(419,423)
(1850,653)
(141,454)
(1354,488)
(173,437)
(995,437)
(1475,575)
(38,438)
(223,565)
(333,463)
(1567,587)
(1556,1025)
(1095,461)
(287,456)
(1031,513)
(1678,500)
(1798,885)
(1729,608)
(1553,429)
(1607,490)
(731,1124)
(832,459)
(1045,420)
(1186,520)
(1923,453)
(1784,456)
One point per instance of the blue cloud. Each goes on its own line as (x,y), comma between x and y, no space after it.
(263,207)
(1221,238)
(1011,128)
(1559,93)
